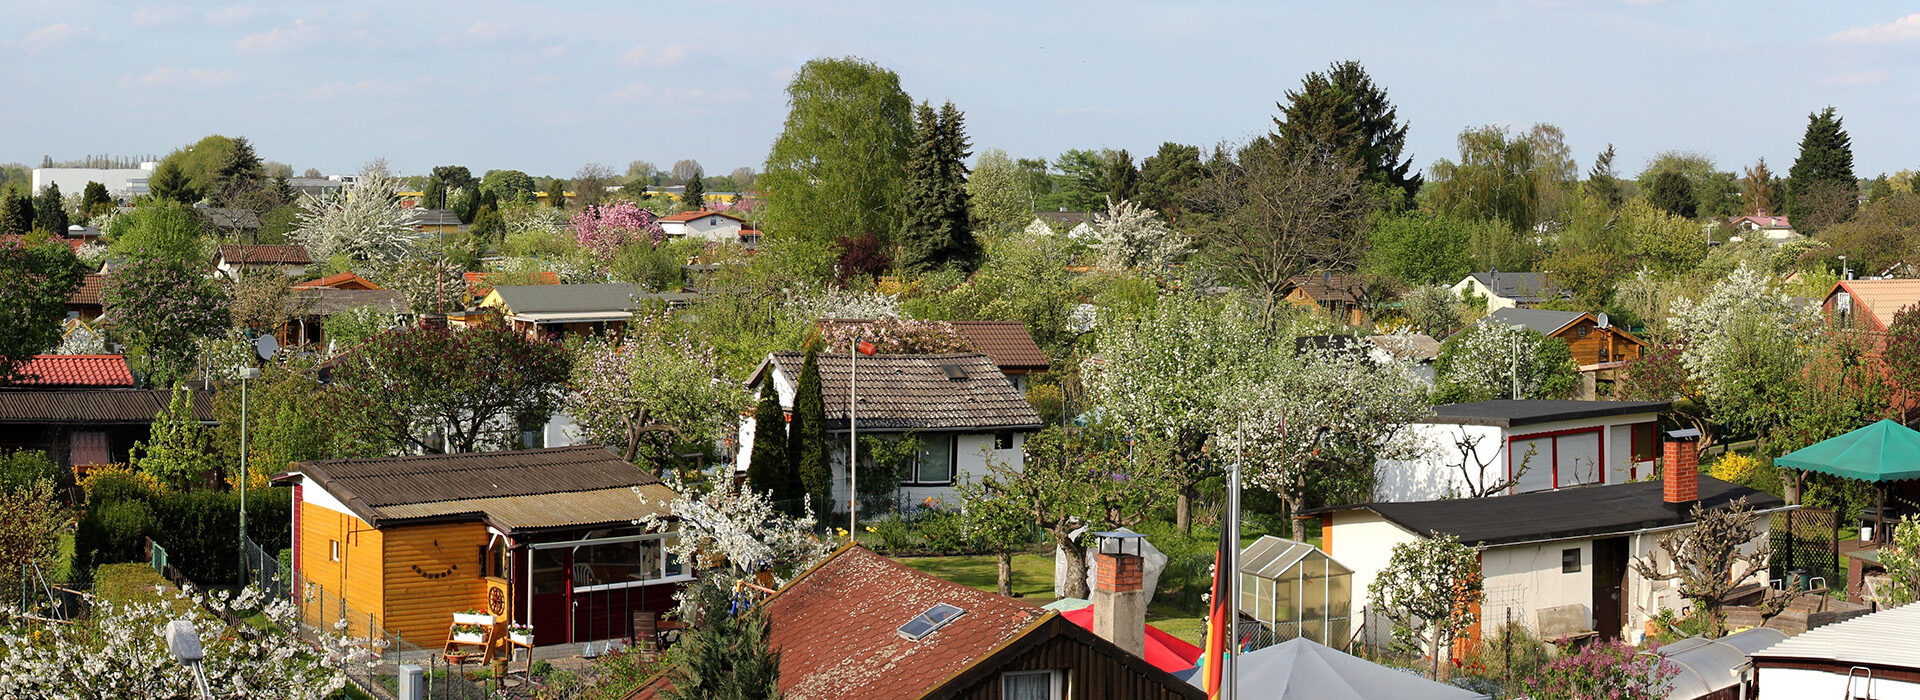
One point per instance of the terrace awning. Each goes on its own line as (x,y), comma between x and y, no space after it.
(1882,452)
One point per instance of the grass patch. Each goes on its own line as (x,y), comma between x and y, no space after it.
(63,565)
(128,583)
(1033,582)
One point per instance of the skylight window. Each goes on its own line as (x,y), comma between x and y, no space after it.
(925,623)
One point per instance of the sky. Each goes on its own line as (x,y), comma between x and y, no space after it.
(547,87)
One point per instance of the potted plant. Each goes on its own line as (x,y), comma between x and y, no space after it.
(520,633)
(472,617)
(469,634)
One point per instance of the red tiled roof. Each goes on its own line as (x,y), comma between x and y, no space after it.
(266,254)
(89,292)
(1007,342)
(696,214)
(836,629)
(77,371)
(344,280)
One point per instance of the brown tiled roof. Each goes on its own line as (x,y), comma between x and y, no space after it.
(1007,342)
(89,292)
(913,392)
(266,254)
(519,488)
(93,406)
(343,280)
(76,371)
(836,629)
(1325,288)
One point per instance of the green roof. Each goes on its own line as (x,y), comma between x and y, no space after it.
(1884,451)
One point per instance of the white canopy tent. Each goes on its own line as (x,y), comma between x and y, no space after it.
(1301,669)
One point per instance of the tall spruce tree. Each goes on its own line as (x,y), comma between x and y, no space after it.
(767,468)
(1164,177)
(1671,193)
(94,199)
(807,435)
(938,233)
(557,193)
(1826,156)
(49,213)
(695,196)
(1123,180)
(434,195)
(1757,193)
(240,174)
(16,212)
(1344,111)
(1602,182)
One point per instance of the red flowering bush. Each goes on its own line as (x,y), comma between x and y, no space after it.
(1602,671)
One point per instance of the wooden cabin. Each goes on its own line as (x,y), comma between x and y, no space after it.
(1599,348)
(544,537)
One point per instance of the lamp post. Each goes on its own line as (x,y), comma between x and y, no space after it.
(245,373)
(856,346)
(1843,267)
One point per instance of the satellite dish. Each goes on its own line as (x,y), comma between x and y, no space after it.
(266,347)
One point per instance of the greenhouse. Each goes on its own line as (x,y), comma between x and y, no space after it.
(1295,590)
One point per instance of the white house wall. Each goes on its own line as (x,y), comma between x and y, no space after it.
(972,452)
(1524,579)
(1434,472)
(1363,542)
(1805,683)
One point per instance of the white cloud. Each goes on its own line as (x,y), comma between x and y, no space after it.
(656,58)
(194,78)
(1904,29)
(298,35)
(1856,78)
(156,15)
(55,36)
(631,93)
(231,14)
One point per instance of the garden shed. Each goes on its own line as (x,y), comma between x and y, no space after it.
(1295,590)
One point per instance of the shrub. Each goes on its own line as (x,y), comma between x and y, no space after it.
(1601,670)
(894,533)
(20,469)
(1734,467)
(943,531)
(118,482)
(126,583)
(1513,652)
(111,533)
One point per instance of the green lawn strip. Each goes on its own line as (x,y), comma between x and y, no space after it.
(1033,578)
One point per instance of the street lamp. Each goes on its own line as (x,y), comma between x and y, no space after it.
(1843,267)
(183,642)
(245,373)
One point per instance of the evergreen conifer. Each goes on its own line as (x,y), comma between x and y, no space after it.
(807,435)
(49,213)
(695,196)
(767,469)
(1826,155)
(938,233)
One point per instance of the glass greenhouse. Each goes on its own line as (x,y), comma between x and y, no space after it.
(1295,590)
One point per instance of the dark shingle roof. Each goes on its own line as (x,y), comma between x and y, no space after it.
(1584,511)
(1528,287)
(1542,321)
(266,254)
(1507,413)
(582,298)
(914,392)
(93,406)
(577,485)
(229,218)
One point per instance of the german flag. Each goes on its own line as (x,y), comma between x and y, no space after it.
(1220,611)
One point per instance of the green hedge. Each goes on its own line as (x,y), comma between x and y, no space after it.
(199,529)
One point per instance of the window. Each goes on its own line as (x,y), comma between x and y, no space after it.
(935,465)
(334,547)
(925,623)
(1030,685)
(1003,440)
(1570,561)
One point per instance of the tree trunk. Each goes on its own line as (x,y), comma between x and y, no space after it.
(1790,485)
(1295,532)
(1006,573)
(1439,656)
(1076,566)
(1183,510)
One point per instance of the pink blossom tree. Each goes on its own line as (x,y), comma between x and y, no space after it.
(606,228)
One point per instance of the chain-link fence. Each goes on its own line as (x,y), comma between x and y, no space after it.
(263,570)
(323,614)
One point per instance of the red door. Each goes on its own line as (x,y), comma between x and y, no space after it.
(552,583)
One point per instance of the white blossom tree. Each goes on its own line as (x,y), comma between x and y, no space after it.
(1312,427)
(1132,236)
(1747,342)
(363,224)
(1427,593)
(730,525)
(1490,360)
(649,388)
(809,304)
(118,652)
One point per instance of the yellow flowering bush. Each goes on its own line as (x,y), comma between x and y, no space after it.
(1733,467)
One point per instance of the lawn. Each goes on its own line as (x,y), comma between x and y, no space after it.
(1033,584)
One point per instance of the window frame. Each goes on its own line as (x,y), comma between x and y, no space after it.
(953,456)
(1056,681)
(1570,560)
(334,550)
(1009,441)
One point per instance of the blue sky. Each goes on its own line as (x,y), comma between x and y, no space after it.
(547,87)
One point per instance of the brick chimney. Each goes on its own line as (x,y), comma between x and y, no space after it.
(1680,468)
(1119,605)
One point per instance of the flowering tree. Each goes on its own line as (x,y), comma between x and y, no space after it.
(649,388)
(1428,591)
(605,229)
(1166,374)
(1313,426)
(1132,236)
(1902,357)
(117,652)
(809,304)
(1902,559)
(1610,669)
(1487,360)
(1711,559)
(362,224)
(896,336)
(162,308)
(1746,344)
(477,386)
(730,525)
(34,283)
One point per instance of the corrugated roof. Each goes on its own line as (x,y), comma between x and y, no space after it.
(835,629)
(546,510)
(1886,638)
(99,371)
(342,280)
(567,298)
(1708,665)
(266,254)
(414,479)
(93,406)
(1880,299)
(913,392)
(1584,511)
(1009,343)
(432,217)
(1542,321)
(1507,413)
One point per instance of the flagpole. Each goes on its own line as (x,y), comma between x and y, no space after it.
(853,440)
(1233,565)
